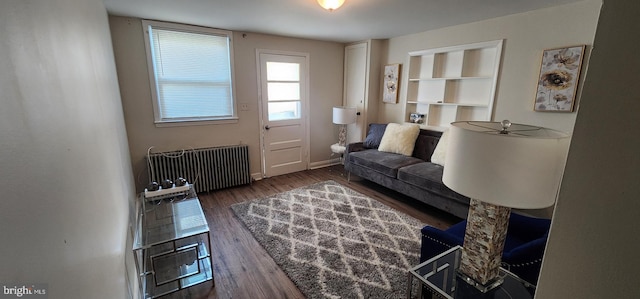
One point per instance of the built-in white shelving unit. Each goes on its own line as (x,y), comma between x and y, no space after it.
(453,83)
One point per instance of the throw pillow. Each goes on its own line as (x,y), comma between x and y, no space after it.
(439,154)
(425,145)
(399,139)
(374,136)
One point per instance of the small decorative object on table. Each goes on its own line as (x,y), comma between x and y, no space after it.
(558,79)
(416,118)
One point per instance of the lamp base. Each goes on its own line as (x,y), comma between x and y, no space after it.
(342,135)
(484,288)
(483,244)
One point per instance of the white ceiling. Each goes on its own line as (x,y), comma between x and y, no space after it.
(355,20)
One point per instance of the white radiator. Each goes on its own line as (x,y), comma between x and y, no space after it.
(206,168)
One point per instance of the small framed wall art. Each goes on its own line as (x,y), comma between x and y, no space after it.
(390,83)
(558,79)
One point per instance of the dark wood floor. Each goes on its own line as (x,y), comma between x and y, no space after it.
(242,268)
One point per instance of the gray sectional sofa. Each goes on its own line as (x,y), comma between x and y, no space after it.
(414,176)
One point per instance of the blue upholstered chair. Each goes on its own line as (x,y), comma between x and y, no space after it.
(523,249)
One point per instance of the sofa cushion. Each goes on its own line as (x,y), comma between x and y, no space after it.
(374,135)
(424,147)
(399,139)
(428,176)
(382,162)
(439,153)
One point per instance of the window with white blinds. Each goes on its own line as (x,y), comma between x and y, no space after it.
(191,72)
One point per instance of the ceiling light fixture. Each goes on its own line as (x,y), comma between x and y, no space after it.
(330,5)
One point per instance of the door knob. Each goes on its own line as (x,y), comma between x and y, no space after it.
(267,127)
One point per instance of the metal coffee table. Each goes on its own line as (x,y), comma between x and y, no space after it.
(171,245)
(438,277)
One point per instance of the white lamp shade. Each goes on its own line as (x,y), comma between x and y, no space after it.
(344,115)
(522,169)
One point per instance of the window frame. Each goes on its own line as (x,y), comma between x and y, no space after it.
(186,121)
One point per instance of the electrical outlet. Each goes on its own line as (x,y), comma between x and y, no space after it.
(244,107)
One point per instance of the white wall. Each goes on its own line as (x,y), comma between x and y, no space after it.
(593,244)
(526,35)
(64,161)
(325,92)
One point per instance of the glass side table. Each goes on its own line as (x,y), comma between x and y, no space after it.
(438,276)
(171,245)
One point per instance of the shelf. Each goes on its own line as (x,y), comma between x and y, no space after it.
(447,104)
(154,290)
(198,240)
(454,104)
(205,274)
(175,265)
(428,127)
(449,78)
(448,63)
(454,83)
(481,61)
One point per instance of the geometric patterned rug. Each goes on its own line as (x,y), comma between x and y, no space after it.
(334,242)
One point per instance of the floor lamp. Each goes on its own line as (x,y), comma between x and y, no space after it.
(499,166)
(343,116)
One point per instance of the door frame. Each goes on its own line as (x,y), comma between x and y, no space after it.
(305,109)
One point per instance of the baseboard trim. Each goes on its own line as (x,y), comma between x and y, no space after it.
(256,176)
(313,165)
(325,163)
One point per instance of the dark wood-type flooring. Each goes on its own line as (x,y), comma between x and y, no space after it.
(242,268)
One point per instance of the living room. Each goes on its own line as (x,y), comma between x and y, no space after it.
(74,155)
(525,35)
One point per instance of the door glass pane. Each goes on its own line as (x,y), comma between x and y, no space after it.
(282,71)
(283,91)
(284,110)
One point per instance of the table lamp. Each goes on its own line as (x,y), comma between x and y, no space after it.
(343,116)
(499,166)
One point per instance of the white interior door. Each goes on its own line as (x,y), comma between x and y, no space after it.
(355,86)
(284,102)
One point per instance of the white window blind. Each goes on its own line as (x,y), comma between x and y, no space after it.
(192,73)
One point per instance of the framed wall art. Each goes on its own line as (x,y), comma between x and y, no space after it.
(558,79)
(390,83)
